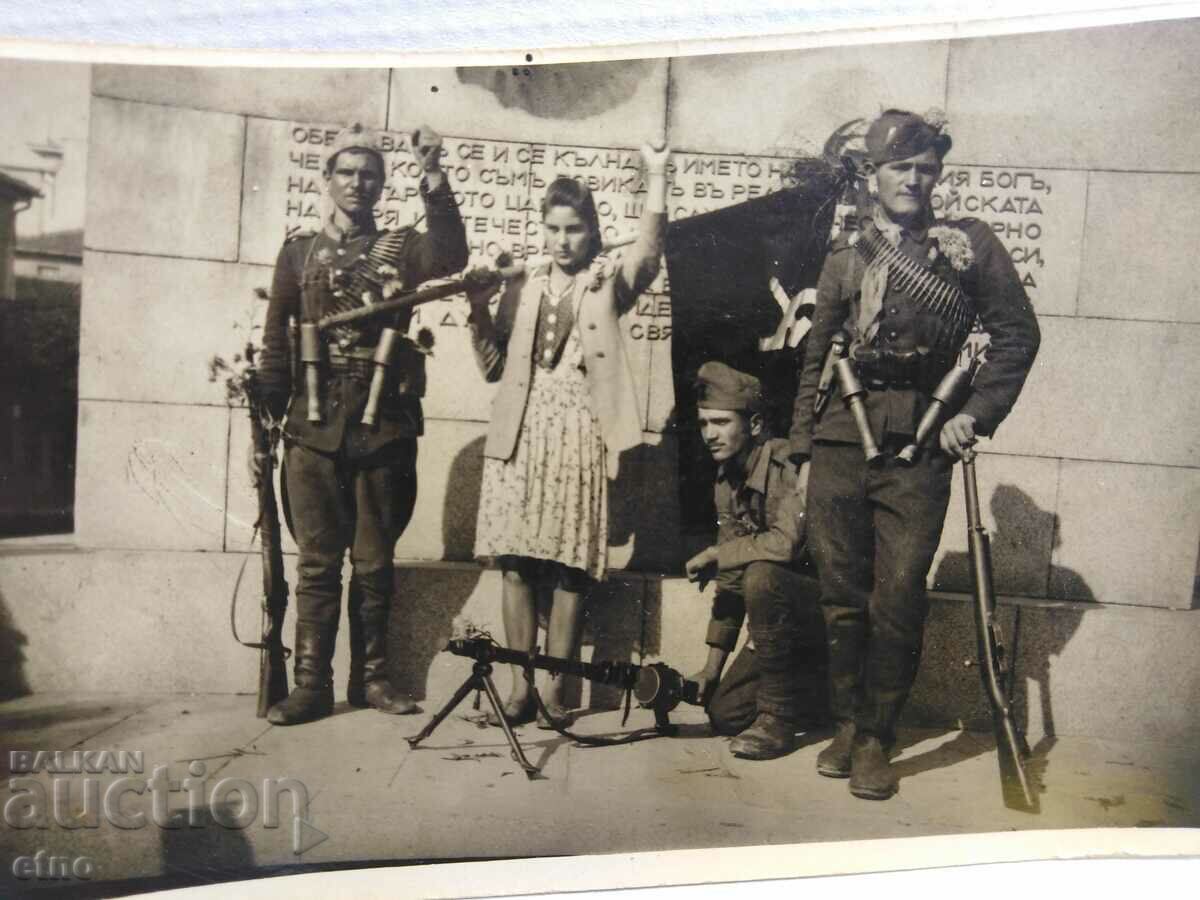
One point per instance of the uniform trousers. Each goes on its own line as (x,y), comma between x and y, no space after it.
(787,660)
(337,503)
(873,533)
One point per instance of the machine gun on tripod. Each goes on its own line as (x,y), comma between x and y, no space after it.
(657,687)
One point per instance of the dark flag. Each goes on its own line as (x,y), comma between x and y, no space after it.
(719,267)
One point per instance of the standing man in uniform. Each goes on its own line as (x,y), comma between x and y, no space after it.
(348,485)
(875,527)
(756,564)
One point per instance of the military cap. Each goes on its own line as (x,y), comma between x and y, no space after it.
(899,134)
(354,137)
(720,387)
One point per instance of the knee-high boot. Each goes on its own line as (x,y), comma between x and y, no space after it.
(370,611)
(312,698)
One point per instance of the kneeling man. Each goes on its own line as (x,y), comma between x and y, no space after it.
(757,563)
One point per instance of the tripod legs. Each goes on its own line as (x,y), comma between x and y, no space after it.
(518,754)
(465,688)
(480,679)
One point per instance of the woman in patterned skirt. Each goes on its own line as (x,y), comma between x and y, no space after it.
(565,410)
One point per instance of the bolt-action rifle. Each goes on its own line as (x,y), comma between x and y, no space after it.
(242,384)
(272,669)
(994,666)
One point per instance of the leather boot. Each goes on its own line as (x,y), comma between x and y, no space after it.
(871,776)
(355,686)
(834,760)
(372,614)
(769,737)
(845,636)
(312,698)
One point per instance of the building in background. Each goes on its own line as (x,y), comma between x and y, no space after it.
(43,174)
(15,197)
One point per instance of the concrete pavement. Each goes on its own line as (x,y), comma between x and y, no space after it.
(460,796)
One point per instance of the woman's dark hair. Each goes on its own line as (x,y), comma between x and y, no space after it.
(566,191)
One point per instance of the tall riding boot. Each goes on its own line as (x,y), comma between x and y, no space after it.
(312,697)
(355,686)
(374,612)
(845,630)
(890,672)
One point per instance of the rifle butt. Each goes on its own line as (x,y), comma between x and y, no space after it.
(1016,786)
(272,679)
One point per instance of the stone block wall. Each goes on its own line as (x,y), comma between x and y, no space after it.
(1079,147)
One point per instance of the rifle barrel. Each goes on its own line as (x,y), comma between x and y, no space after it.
(437,292)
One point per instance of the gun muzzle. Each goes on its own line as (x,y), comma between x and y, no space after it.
(660,687)
(947,395)
(310,356)
(383,361)
(852,395)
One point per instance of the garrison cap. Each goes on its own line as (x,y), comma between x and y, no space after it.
(899,134)
(720,387)
(354,137)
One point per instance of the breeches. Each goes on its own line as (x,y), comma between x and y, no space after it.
(335,504)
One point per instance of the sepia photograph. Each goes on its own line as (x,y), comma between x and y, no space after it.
(409,465)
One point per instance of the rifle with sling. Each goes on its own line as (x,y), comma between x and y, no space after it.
(273,655)
(995,668)
(272,671)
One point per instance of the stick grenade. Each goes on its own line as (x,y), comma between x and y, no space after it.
(852,396)
(837,350)
(310,356)
(947,395)
(383,361)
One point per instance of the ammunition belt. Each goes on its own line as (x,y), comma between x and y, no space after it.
(928,289)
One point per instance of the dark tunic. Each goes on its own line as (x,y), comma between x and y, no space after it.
(312,278)
(348,485)
(1000,301)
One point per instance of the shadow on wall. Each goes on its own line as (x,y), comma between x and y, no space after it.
(13,683)
(1019,523)
(1033,638)
(571,91)
(615,621)
(423,626)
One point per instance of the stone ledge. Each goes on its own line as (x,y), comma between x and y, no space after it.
(75,620)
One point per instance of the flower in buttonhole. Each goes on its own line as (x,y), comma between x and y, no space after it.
(954,245)
(391,287)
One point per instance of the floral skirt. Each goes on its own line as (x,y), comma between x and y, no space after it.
(549,501)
